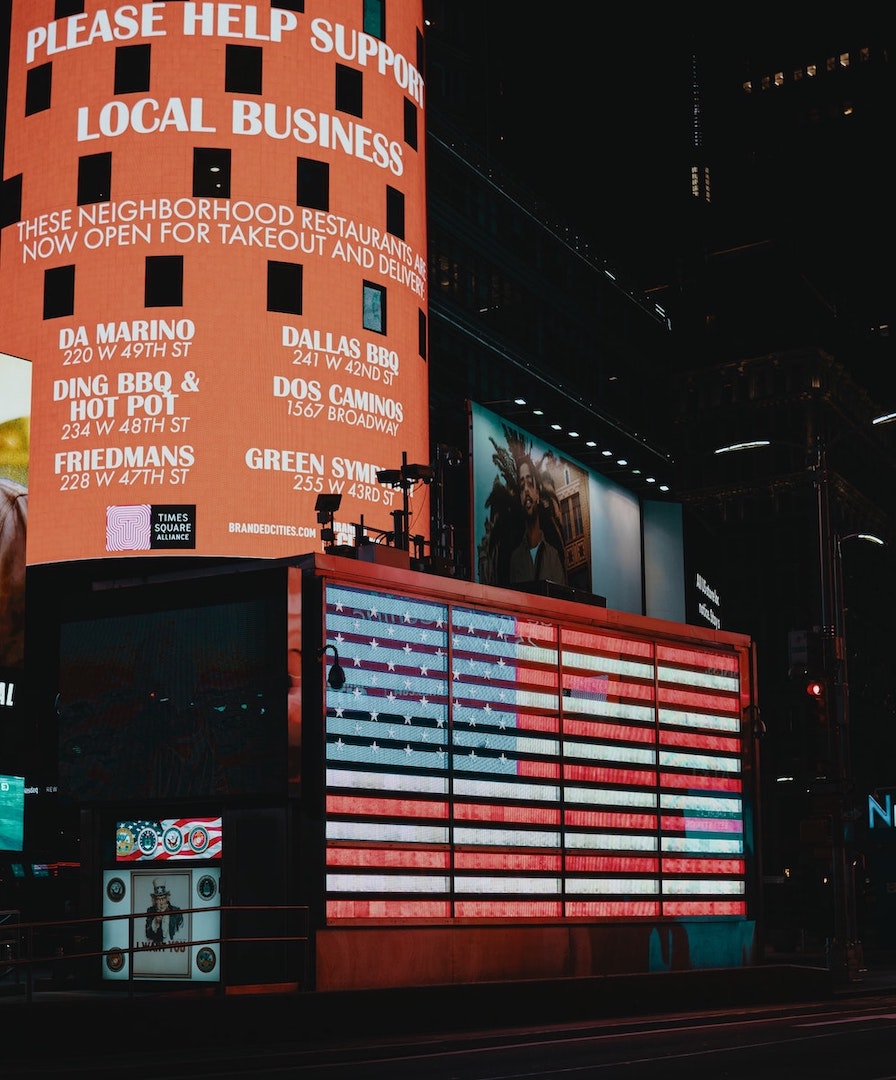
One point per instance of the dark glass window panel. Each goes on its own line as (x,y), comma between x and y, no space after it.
(132,69)
(395,212)
(59,292)
(164,283)
(285,287)
(410,123)
(11,201)
(64,8)
(375,18)
(211,172)
(313,183)
(38,85)
(94,178)
(349,90)
(422,338)
(242,69)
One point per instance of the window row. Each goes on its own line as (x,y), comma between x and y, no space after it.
(164,287)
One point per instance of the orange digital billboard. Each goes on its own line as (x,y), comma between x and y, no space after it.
(214,254)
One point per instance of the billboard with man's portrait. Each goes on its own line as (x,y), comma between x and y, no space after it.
(539,515)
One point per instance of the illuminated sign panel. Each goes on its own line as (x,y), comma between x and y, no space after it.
(15,410)
(12,813)
(486,765)
(168,839)
(595,535)
(215,251)
(162,923)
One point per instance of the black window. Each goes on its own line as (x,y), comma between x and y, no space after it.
(64,8)
(211,172)
(164,283)
(285,287)
(59,292)
(313,183)
(373,315)
(291,5)
(349,90)
(132,69)
(37,89)
(11,201)
(421,333)
(242,69)
(375,18)
(395,212)
(410,123)
(94,178)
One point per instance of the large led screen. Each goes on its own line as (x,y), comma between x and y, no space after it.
(162,923)
(592,534)
(15,439)
(486,765)
(214,246)
(12,813)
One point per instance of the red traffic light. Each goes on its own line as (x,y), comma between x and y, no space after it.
(814,688)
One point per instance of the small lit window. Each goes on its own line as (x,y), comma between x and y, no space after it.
(811,70)
(748,87)
(779,78)
(375,18)
(844,59)
(374,308)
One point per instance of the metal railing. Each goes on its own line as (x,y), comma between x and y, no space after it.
(71,954)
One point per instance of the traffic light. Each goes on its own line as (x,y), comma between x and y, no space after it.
(817,690)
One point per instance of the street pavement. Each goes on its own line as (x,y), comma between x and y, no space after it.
(265,1014)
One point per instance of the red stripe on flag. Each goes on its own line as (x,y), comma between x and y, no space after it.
(391,858)
(593,909)
(388,909)
(702,824)
(508,909)
(368,806)
(530,815)
(506,860)
(705,867)
(634,864)
(605,819)
(616,732)
(724,744)
(591,774)
(680,908)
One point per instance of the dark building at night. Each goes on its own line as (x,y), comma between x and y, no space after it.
(730,317)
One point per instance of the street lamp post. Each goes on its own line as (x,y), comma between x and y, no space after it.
(844,950)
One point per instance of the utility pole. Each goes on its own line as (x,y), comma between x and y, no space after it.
(844,948)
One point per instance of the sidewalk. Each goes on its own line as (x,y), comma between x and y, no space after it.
(320,1017)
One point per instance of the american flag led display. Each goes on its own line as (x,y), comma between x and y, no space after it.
(482,765)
